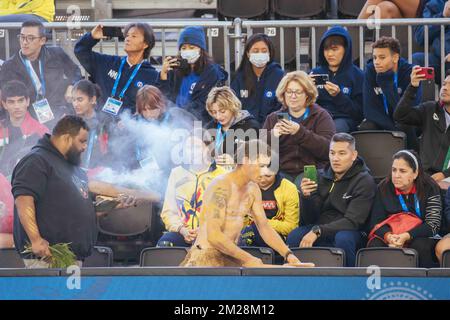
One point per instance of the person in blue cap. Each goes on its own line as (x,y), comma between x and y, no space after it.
(188,78)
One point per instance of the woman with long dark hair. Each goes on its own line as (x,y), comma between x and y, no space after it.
(257,77)
(188,78)
(85,96)
(407,209)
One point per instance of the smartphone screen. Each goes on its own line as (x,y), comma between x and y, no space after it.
(320,79)
(310,172)
(283,115)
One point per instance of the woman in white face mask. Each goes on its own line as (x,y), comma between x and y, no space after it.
(257,77)
(188,78)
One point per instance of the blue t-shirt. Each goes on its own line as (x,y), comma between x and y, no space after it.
(186,88)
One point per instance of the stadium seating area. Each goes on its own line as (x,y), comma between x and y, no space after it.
(128,237)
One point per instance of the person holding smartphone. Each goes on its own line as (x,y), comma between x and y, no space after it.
(304,129)
(433,118)
(119,78)
(187,79)
(335,208)
(340,93)
(434,9)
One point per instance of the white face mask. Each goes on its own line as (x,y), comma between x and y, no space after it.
(259,60)
(190,55)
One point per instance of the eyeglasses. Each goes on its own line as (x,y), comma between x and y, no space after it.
(297,93)
(28,38)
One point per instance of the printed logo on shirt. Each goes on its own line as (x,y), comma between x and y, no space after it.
(346,90)
(435,117)
(268,94)
(346,196)
(139,84)
(244,93)
(269,204)
(82,186)
(192,87)
(112,74)
(378,91)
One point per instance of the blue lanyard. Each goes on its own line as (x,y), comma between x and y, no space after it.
(29,71)
(386,109)
(304,116)
(90,148)
(405,208)
(119,75)
(219,137)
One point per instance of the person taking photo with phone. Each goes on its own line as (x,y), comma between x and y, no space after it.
(335,208)
(433,118)
(304,128)
(341,95)
(119,78)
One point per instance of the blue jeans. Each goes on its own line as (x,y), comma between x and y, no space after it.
(175,238)
(345,125)
(349,241)
(250,237)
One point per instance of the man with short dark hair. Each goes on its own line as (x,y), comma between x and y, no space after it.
(18,131)
(48,72)
(119,78)
(51,192)
(335,209)
(18,123)
(386,78)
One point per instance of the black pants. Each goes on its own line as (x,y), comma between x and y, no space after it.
(424,246)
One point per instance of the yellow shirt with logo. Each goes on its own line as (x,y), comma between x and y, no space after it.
(42,8)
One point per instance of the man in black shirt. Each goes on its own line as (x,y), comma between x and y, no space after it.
(51,192)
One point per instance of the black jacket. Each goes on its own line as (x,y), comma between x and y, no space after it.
(340,205)
(430,117)
(59,72)
(64,210)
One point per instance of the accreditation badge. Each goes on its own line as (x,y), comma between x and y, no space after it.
(43,111)
(112,106)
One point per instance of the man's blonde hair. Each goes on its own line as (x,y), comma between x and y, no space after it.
(225,98)
(304,81)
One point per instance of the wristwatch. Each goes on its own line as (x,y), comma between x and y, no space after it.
(317,231)
(289,252)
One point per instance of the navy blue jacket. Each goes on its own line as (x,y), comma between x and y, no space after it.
(104,68)
(375,85)
(263,100)
(348,103)
(213,75)
(433,9)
